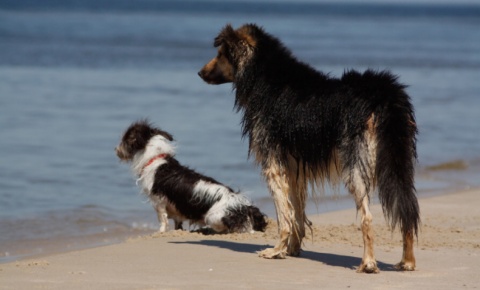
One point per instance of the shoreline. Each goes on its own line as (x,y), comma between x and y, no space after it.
(447,252)
(88,226)
(319,204)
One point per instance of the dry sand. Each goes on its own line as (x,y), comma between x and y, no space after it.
(447,252)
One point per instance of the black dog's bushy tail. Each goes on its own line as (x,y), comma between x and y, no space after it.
(396,158)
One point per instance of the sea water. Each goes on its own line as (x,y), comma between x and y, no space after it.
(75,74)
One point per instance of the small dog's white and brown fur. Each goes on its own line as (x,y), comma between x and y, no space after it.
(179,193)
(306,127)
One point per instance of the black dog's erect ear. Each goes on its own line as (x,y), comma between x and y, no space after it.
(238,42)
(226,35)
(249,33)
(244,36)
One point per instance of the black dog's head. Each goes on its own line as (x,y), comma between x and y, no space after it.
(136,138)
(235,49)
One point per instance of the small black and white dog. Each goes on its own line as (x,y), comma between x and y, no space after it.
(178,192)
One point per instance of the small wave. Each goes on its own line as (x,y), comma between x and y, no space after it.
(450,165)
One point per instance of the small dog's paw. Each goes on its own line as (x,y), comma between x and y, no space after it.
(272,253)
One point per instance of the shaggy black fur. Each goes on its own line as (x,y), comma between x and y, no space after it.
(307,114)
(177,182)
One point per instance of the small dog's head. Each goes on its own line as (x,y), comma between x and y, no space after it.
(235,49)
(136,138)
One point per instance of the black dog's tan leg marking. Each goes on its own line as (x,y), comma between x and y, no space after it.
(360,180)
(368,265)
(408,258)
(298,228)
(278,185)
(290,213)
(297,197)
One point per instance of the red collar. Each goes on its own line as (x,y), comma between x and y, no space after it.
(153,159)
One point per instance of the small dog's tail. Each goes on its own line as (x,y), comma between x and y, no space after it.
(245,218)
(258,219)
(396,157)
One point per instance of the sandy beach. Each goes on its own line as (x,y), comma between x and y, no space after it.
(447,253)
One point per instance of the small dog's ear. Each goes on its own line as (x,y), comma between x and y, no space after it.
(167,135)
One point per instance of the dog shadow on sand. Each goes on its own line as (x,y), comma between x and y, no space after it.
(335,260)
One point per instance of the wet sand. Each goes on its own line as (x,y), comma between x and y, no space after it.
(447,253)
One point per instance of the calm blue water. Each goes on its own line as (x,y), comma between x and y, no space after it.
(75,74)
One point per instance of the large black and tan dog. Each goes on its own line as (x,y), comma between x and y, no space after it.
(305,128)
